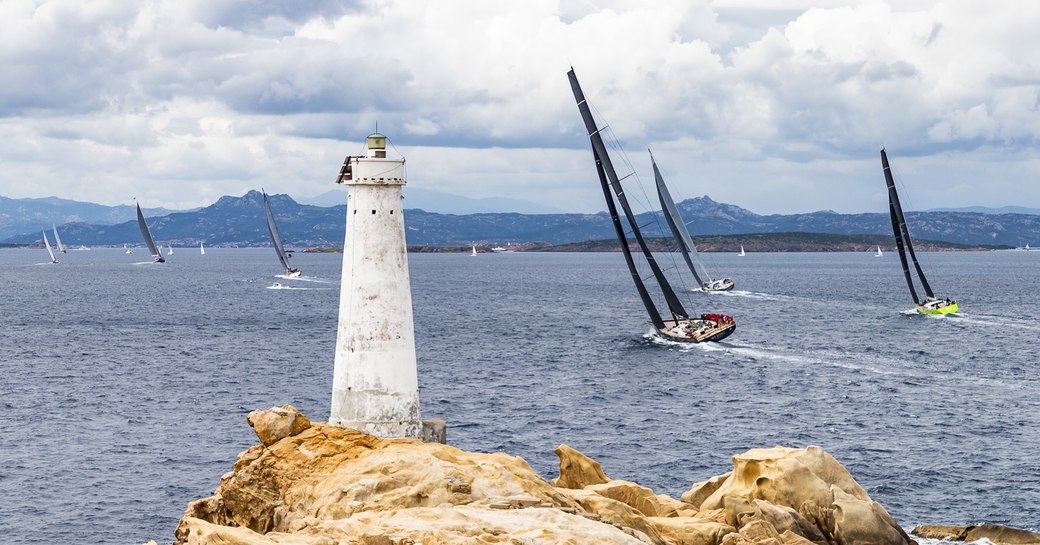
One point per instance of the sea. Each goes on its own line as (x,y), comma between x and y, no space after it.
(125,384)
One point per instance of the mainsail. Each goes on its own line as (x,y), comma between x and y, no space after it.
(679,231)
(903,244)
(156,254)
(57,239)
(276,239)
(47,243)
(609,181)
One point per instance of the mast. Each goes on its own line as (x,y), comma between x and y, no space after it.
(675,223)
(902,233)
(608,175)
(148,236)
(276,239)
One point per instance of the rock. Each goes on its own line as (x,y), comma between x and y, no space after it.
(315,484)
(811,482)
(577,470)
(638,497)
(277,423)
(702,490)
(1000,535)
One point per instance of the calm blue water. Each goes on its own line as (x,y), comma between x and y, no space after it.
(125,386)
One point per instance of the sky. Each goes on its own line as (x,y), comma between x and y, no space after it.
(778,106)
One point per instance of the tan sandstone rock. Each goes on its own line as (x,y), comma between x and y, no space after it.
(277,423)
(577,470)
(315,484)
(1000,535)
(811,482)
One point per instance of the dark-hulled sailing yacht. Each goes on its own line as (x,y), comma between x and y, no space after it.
(681,327)
(930,304)
(682,238)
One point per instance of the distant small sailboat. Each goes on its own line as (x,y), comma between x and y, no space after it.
(47,243)
(156,252)
(474,252)
(276,240)
(879,254)
(57,240)
(741,254)
(202,250)
(930,304)
(169,250)
(127,249)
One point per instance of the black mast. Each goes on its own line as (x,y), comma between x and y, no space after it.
(903,233)
(607,175)
(670,213)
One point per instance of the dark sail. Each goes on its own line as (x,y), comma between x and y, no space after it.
(609,176)
(148,236)
(675,223)
(276,239)
(902,234)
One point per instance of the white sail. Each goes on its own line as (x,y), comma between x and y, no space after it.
(201,249)
(741,254)
(57,239)
(169,250)
(47,243)
(474,252)
(879,254)
(127,249)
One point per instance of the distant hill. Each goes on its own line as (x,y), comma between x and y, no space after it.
(239,221)
(987,210)
(25,215)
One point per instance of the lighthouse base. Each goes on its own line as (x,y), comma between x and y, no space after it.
(433,430)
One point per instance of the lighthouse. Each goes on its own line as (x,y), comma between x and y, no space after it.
(375,385)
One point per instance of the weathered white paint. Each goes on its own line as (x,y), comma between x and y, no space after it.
(375,386)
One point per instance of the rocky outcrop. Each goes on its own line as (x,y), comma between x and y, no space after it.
(1000,535)
(311,483)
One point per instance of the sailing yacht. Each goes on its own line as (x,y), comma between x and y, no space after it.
(741,254)
(127,249)
(930,304)
(276,240)
(682,237)
(57,239)
(202,250)
(148,240)
(47,243)
(879,254)
(474,252)
(681,327)
(169,250)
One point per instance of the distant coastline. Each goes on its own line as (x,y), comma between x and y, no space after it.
(752,243)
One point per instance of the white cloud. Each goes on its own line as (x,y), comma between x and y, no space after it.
(780,106)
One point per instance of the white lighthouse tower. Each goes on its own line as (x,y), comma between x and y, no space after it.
(375,385)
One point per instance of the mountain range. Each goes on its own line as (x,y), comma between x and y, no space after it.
(23,215)
(239,221)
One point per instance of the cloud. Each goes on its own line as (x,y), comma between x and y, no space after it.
(190,100)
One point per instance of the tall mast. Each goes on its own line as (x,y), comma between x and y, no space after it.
(902,232)
(675,223)
(600,152)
